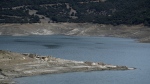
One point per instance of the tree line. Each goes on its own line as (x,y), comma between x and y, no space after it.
(113,12)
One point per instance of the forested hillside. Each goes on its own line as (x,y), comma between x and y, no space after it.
(113,12)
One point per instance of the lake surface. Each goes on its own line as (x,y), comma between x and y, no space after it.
(110,50)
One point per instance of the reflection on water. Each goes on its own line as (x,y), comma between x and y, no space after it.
(117,51)
(54,46)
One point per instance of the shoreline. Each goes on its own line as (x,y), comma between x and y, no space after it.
(14,65)
(139,32)
(57,65)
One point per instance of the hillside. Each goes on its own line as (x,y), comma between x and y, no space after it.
(113,12)
(139,32)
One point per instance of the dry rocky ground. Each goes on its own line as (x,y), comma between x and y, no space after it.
(14,65)
(139,32)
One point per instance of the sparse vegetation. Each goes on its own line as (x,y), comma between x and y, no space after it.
(113,12)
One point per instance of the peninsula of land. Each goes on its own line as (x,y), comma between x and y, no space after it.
(14,65)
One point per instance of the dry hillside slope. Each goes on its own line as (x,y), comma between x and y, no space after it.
(139,32)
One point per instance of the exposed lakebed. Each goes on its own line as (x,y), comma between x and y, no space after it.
(117,51)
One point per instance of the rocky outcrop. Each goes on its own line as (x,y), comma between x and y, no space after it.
(18,65)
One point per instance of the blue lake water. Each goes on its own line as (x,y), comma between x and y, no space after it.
(110,50)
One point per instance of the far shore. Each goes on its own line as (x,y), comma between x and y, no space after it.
(139,32)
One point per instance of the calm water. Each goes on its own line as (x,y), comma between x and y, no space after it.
(117,51)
